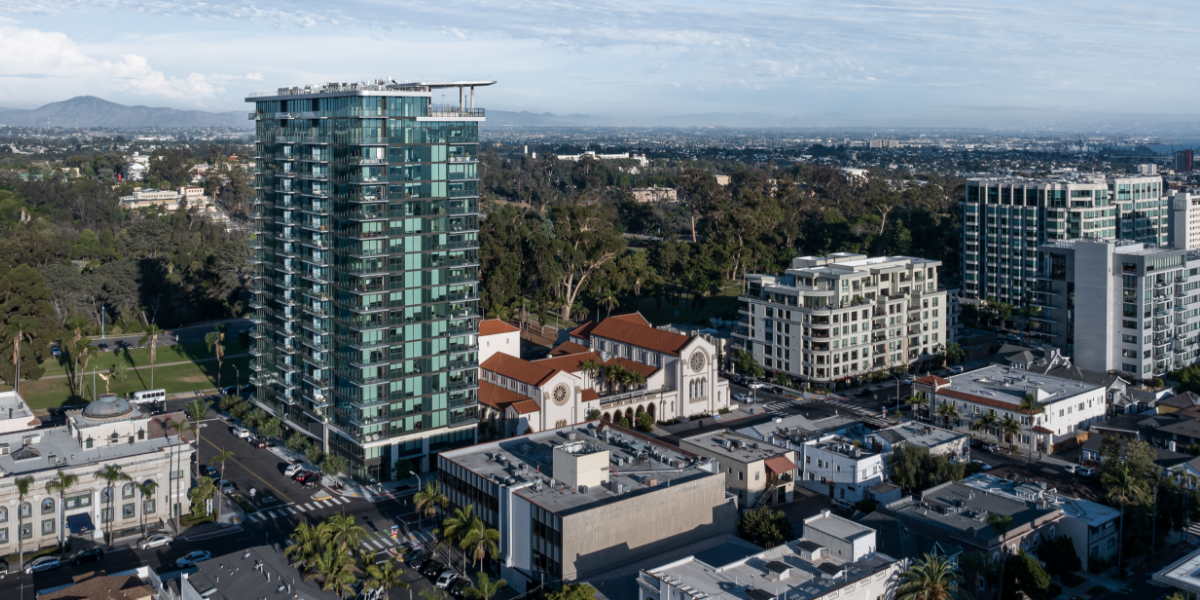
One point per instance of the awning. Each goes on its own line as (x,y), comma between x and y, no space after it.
(80,523)
(780,464)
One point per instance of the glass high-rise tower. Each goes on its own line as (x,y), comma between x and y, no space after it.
(366,268)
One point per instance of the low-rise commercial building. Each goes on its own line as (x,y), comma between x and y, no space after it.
(1093,528)
(795,431)
(842,469)
(757,472)
(835,557)
(843,315)
(1068,407)
(107,432)
(574,501)
(257,572)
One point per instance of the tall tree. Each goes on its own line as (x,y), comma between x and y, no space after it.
(487,588)
(219,459)
(146,489)
(23,484)
(60,484)
(112,475)
(216,344)
(930,577)
(1123,488)
(585,241)
(196,409)
(27,320)
(150,339)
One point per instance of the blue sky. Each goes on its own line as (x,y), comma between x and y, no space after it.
(622,58)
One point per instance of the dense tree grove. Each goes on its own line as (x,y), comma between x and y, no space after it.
(553,233)
(68,249)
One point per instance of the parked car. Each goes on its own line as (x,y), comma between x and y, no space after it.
(1085,472)
(416,559)
(976,443)
(230,390)
(124,345)
(754,385)
(4,569)
(44,563)
(89,555)
(445,579)
(191,558)
(955,370)
(992,448)
(982,465)
(291,470)
(742,397)
(241,432)
(56,352)
(458,589)
(228,486)
(155,541)
(433,570)
(909,381)
(1071,468)
(102,346)
(257,443)
(300,476)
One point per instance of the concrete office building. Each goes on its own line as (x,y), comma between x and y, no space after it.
(576,501)
(757,472)
(834,558)
(1006,219)
(1069,407)
(1093,528)
(366,261)
(1185,219)
(1119,306)
(829,318)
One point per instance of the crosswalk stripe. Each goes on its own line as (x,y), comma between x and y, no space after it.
(307,506)
(291,511)
(279,513)
(339,500)
(377,544)
(328,503)
(301,508)
(365,546)
(254,518)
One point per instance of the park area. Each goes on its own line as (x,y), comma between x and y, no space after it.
(178,368)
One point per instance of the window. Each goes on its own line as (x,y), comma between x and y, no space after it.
(127,511)
(106,515)
(3,514)
(78,501)
(27,531)
(105,494)
(4,536)
(26,511)
(148,506)
(47,506)
(48,527)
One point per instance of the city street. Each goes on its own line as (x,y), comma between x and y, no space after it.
(183,335)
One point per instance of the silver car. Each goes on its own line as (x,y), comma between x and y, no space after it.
(155,541)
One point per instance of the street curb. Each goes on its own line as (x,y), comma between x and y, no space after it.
(213,534)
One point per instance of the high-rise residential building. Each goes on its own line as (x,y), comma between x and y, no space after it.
(366,268)
(1185,219)
(1121,306)
(1005,219)
(843,315)
(1183,161)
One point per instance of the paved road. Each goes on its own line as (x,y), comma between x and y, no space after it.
(183,335)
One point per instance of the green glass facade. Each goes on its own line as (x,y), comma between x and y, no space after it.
(366,271)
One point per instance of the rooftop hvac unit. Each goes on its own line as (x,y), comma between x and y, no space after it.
(571,436)
(583,489)
(3,449)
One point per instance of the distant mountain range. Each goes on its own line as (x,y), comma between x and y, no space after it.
(505,118)
(90,111)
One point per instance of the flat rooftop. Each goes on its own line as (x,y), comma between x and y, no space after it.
(835,526)
(1183,574)
(527,462)
(13,408)
(925,436)
(960,507)
(1009,385)
(798,429)
(30,451)
(740,448)
(757,577)
(258,572)
(1093,513)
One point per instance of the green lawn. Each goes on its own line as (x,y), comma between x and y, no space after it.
(140,357)
(52,393)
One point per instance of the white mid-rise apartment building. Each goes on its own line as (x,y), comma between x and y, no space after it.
(1118,306)
(834,317)
(1185,219)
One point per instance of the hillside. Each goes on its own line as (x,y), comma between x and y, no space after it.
(90,111)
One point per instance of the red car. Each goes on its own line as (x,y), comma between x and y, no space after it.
(302,475)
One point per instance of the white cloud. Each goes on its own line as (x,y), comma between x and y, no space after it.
(254,77)
(54,56)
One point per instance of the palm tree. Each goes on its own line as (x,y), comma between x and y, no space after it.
(592,367)
(147,491)
(81,352)
(23,485)
(385,577)
(455,529)
(112,474)
(985,421)
(1001,524)
(216,343)
(21,325)
(916,401)
(338,572)
(930,578)
(151,338)
(64,482)
(1124,488)
(76,324)
(486,589)
(219,460)
(428,501)
(577,311)
(948,411)
(1010,427)
(307,544)
(1029,405)
(608,301)
(340,533)
(481,541)
(182,427)
(196,409)
(636,378)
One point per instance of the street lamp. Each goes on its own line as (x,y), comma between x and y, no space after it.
(420,517)
(237,378)
(101,321)
(897,378)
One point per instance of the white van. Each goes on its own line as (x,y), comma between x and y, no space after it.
(148,396)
